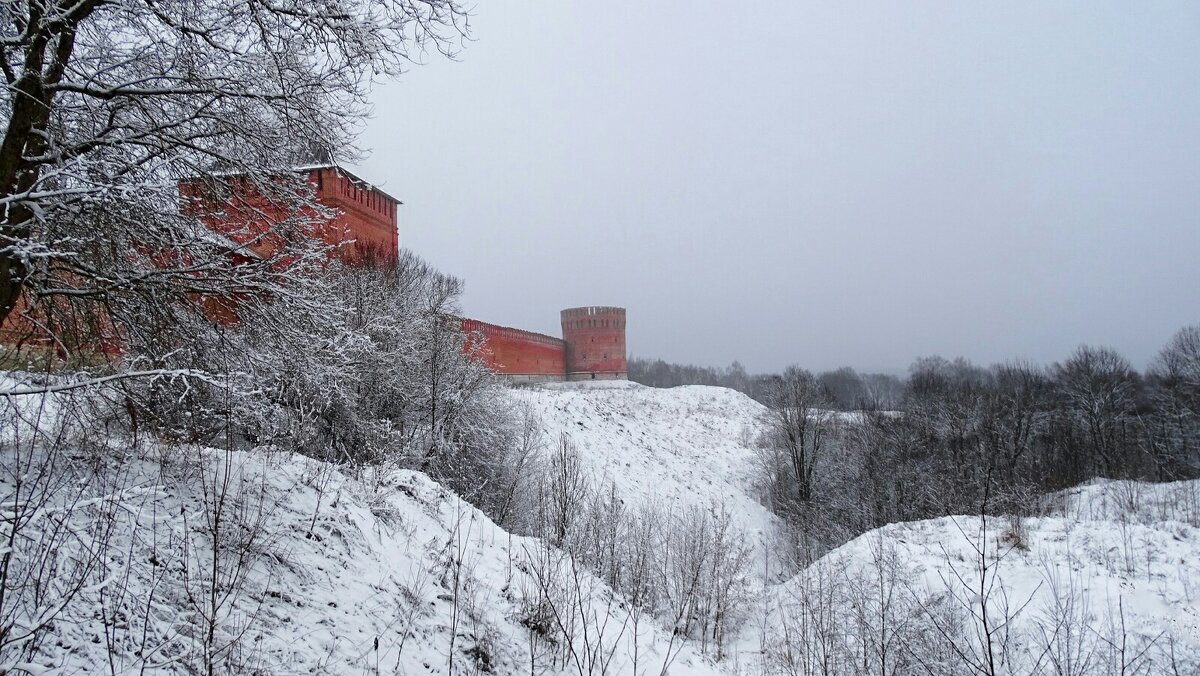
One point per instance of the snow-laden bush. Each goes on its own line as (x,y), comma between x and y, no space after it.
(688,569)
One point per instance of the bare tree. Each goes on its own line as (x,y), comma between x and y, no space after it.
(1098,387)
(520,463)
(1176,376)
(1015,412)
(563,493)
(799,430)
(109,105)
(845,388)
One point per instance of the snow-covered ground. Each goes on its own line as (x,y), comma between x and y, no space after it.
(1102,550)
(324,573)
(683,446)
(1107,582)
(380,571)
(385,571)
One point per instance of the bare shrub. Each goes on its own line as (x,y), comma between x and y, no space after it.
(562,493)
(223,544)
(1015,535)
(59,511)
(809,635)
(581,618)
(1063,625)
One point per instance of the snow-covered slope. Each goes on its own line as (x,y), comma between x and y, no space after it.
(329,573)
(683,446)
(1108,582)
(321,573)
(385,571)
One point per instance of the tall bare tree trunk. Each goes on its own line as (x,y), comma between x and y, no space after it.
(25,138)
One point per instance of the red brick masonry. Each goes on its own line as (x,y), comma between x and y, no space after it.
(593,342)
(592,347)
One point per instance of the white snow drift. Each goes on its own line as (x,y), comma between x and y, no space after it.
(385,570)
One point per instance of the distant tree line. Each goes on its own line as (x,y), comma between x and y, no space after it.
(961,438)
(658,373)
(846,452)
(845,388)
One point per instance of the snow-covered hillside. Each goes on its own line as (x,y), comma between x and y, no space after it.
(385,571)
(322,573)
(319,571)
(683,446)
(1107,582)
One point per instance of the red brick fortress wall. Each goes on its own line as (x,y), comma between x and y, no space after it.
(365,214)
(363,222)
(595,338)
(516,354)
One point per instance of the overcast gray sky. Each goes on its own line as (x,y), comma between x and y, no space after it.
(814,183)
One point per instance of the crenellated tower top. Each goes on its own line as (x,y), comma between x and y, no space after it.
(595,338)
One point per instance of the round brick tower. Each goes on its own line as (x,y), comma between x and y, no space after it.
(595,338)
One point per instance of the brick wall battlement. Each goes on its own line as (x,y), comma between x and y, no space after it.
(592,347)
(497,331)
(518,354)
(595,337)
